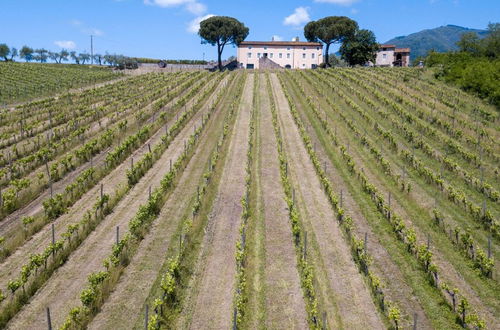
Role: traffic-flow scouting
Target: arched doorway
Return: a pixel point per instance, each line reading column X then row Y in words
column 288, row 66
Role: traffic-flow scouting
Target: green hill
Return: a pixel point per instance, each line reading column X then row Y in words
column 441, row 39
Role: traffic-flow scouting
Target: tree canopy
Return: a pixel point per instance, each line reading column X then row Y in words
column 222, row 31
column 488, row 46
column 475, row 67
column 13, row 53
column 26, row 53
column 360, row 49
column 4, row 52
column 469, row 42
column 329, row 30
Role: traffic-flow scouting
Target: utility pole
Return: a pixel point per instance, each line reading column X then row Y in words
column 91, row 49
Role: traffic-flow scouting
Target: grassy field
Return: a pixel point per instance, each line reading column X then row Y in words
column 325, row 199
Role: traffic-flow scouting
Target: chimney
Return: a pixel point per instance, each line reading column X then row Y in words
column 272, row 38
column 296, row 39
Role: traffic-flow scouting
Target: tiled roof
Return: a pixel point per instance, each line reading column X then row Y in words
column 387, row 46
column 402, row 50
column 280, row 43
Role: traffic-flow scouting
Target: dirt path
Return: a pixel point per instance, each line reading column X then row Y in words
column 212, row 300
column 127, row 299
column 62, row 291
column 285, row 307
column 346, row 290
column 117, row 178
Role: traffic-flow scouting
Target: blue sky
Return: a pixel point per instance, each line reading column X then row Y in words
column 167, row 28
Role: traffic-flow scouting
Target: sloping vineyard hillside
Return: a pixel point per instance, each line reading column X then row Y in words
column 25, row 81
column 361, row 198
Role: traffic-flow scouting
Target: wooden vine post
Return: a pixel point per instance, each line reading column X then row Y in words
column 49, row 321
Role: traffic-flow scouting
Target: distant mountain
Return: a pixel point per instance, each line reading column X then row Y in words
column 441, row 39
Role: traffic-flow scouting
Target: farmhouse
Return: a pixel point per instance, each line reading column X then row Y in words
column 389, row 55
column 279, row 54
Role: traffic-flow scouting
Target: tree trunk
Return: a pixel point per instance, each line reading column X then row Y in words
column 219, row 56
column 327, row 64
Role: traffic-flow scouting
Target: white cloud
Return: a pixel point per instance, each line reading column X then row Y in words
column 193, row 6
column 277, row 38
column 300, row 15
column 67, row 44
column 196, row 8
column 93, row 31
column 194, row 25
column 85, row 29
column 338, row 2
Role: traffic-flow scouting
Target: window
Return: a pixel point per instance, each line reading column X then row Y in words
column 265, row 48
column 288, row 55
column 249, row 55
column 288, row 48
column 303, row 65
column 317, row 48
column 312, row 55
column 258, row 55
column 384, row 56
column 304, row 48
column 281, row 55
column 249, row 47
column 304, row 55
column 271, row 55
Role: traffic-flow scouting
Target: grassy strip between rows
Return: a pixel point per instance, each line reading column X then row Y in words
column 462, row 239
column 178, row 270
column 241, row 298
column 422, row 253
column 58, row 205
column 100, row 284
column 254, row 310
column 60, row 250
column 306, row 271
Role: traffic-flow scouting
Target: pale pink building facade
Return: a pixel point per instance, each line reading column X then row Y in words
column 286, row 54
column 389, row 55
